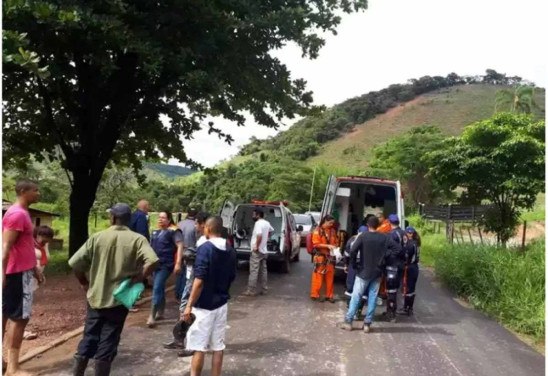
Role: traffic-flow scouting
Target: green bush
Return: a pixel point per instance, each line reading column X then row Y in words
column 505, row 283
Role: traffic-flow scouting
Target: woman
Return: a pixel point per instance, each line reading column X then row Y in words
column 167, row 243
column 324, row 240
column 411, row 271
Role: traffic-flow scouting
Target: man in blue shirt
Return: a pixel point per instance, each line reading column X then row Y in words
column 214, row 272
column 139, row 219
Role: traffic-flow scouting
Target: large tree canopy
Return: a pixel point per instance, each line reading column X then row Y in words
column 87, row 82
column 500, row 160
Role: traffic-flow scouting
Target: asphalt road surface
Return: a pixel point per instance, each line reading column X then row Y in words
column 285, row 333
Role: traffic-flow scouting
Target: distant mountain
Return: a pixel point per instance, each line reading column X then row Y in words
column 169, row 171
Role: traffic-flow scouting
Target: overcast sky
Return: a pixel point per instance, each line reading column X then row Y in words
column 395, row 40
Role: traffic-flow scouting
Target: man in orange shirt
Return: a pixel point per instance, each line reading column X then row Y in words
column 324, row 240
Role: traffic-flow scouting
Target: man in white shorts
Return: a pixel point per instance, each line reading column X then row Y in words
column 214, row 271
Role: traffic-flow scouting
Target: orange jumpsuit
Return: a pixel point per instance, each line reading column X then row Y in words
column 385, row 227
column 324, row 267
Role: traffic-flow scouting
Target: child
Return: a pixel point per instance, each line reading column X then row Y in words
column 42, row 236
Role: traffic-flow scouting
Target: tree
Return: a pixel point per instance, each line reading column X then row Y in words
column 403, row 158
column 519, row 100
column 90, row 82
column 500, row 160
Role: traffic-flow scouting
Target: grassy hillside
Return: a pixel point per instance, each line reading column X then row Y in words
column 451, row 109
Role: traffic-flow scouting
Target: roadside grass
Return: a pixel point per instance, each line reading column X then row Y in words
column 506, row 284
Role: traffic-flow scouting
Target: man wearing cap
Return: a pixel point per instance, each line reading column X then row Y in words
column 394, row 267
column 108, row 257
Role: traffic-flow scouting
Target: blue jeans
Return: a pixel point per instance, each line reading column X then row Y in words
column 187, row 291
column 360, row 287
column 180, row 283
column 159, row 288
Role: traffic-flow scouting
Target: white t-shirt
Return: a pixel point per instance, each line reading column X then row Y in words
column 262, row 227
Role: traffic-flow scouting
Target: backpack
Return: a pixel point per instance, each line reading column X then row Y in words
column 309, row 244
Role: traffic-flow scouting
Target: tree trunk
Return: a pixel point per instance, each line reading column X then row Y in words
column 82, row 197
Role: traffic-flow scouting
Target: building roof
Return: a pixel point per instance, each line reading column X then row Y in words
column 6, row 204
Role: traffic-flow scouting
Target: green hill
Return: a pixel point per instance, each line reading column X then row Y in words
column 450, row 109
column 166, row 170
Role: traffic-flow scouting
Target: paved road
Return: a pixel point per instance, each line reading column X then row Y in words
column 284, row 333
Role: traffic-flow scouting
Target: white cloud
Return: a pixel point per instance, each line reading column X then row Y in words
column 395, row 40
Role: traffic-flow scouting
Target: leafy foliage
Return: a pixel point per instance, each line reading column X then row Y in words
column 404, row 158
column 92, row 82
column 500, row 160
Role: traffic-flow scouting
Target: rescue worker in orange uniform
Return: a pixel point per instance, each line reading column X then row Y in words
column 324, row 240
column 385, row 226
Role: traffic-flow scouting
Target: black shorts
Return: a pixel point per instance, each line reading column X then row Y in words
column 17, row 296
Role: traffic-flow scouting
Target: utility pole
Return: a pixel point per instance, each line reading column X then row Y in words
column 312, row 189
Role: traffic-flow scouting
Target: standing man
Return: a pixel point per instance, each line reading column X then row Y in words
column 18, row 270
column 139, row 219
column 373, row 248
column 394, row 268
column 167, row 242
column 257, row 259
column 188, row 230
column 214, row 271
column 108, row 257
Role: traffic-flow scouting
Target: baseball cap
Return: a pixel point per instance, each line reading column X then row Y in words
column 393, row 218
column 120, row 210
column 410, row 229
column 362, row 229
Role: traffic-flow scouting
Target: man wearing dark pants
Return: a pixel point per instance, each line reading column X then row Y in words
column 109, row 257
column 188, row 231
column 214, row 271
column 373, row 248
column 19, row 269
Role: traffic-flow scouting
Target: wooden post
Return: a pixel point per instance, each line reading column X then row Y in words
column 523, row 237
column 481, row 237
column 470, row 235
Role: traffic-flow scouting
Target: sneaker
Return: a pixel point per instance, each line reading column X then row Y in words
column 331, row 300
column 321, row 300
column 314, row 299
column 264, row 292
column 366, row 328
column 185, row 353
column 249, row 293
column 345, row 326
column 173, row 345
